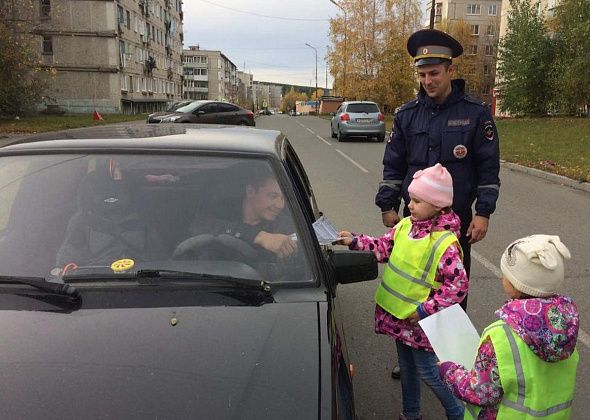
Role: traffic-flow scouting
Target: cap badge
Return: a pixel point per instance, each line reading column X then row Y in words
column 460, row 151
column 425, row 51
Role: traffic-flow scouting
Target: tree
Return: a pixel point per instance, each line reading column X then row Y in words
column 468, row 66
column 290, row 98
column 21, row 72
column 572, row 68
column 368, row 57
column 525, row 62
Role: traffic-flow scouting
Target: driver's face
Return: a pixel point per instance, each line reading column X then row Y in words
column 267, row 201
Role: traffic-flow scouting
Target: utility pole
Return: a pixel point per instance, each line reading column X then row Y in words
column 316, row 76
column 345, row 49
column 432, row 7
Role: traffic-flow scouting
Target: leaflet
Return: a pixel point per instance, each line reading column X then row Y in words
column 452, row 335
column 325, row 231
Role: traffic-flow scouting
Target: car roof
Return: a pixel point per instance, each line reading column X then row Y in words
column 146, row 137
column 359, row 102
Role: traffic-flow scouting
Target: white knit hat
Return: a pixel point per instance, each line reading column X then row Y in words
column 534, row 264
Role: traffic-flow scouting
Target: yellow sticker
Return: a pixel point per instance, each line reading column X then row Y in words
column 122, row 265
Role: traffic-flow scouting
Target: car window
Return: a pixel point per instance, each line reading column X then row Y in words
column 190, row 107
column 227, row 108
column 359, row 108
column 161, row 211
column 208, row 108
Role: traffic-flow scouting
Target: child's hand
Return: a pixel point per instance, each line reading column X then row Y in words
column 414, row 318
column 346, row 238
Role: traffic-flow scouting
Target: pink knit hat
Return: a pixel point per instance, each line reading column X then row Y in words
column 433, row 185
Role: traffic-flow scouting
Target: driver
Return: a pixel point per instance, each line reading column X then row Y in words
column 257, row 220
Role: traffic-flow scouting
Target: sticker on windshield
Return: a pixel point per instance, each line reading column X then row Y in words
column 122, row 265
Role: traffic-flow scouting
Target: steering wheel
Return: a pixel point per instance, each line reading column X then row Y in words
column 201, row 243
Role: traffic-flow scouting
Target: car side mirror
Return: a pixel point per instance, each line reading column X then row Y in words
column 354, row 266
column 200, row 112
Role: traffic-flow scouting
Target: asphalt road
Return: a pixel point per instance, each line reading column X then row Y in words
column 345, row 176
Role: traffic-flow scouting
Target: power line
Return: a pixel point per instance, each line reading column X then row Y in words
column 264, row 16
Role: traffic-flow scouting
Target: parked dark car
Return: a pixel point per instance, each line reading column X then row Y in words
column 113, row 307
column 207, row 112
column 173, row 107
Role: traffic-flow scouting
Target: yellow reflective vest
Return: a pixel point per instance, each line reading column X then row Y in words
column 533, row 388
column 411, row 270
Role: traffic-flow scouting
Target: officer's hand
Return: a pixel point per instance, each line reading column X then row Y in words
column 280, row 244
column 391, row 218
column 477, row 229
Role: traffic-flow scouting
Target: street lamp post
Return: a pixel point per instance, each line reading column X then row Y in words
column 345, row 50
column 316, row 76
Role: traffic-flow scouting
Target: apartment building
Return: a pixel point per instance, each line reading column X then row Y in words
column 245, row 89
column 268, row 95
column 483, row 20
column 209, row 75
column 111, row 55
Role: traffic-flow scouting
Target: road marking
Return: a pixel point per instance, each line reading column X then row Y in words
column 310, row 130
column 324, row 140
column 582, row 335
column 352, row 161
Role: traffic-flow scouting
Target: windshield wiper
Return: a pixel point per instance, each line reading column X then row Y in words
column 41, row 283
column 150, row 277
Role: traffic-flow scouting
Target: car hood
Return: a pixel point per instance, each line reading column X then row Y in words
column 162, row 115
column 215, row 362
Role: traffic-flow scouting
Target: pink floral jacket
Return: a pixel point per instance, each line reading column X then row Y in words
column 450, row 273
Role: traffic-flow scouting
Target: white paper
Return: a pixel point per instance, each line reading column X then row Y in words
column 452, row 335
column 325, row 231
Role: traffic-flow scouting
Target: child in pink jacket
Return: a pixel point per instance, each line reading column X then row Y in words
column 431, row 193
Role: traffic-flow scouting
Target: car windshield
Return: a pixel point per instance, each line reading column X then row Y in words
column 104, row 214
column 190, row 107
column 177, row 105
column 360, row 108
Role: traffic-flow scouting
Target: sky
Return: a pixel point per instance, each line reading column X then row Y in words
column 265, row 38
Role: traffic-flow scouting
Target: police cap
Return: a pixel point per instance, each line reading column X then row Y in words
column 431, row 46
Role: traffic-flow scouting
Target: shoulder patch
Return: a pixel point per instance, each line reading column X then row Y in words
column 408, row 105
column 476, row 101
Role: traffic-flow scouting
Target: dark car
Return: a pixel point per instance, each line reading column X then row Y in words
column 207, row 112
column 171, row 108
column 120, row 300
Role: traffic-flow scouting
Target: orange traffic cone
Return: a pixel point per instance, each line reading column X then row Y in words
column 96, row 116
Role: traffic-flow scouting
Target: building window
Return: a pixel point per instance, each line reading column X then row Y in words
column 472, row 49
column 45, row 8
column 122, row 53
column 491, row 31
column 487, row 90
column 474, row 29
column 492, row 10
column 489, row 50
column 473, row 9
column 486, row 69
column 120, row 15
column 128, row 15
column 47, row 45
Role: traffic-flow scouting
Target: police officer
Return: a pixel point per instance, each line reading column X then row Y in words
column 443, row 125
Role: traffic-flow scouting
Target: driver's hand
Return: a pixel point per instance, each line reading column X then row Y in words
column 280, row 244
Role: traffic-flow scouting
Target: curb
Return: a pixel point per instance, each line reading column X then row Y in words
column 558, row 179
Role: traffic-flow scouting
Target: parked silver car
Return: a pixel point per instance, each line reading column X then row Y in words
column 358, row 118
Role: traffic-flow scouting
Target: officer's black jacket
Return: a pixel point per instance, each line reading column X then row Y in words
column 460, row 134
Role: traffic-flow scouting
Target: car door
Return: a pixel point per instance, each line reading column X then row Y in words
column 329, row 312
column 228, row 114
column 205, row 114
